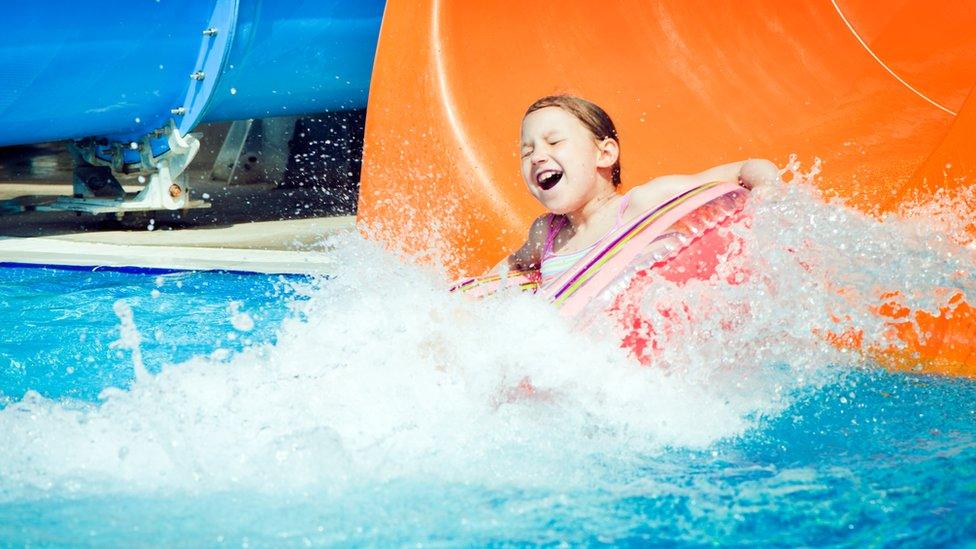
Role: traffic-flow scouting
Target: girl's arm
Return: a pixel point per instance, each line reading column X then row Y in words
column 748, row 173
column 528, row 256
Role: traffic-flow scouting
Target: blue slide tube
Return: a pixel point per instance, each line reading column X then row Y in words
column 121, row 69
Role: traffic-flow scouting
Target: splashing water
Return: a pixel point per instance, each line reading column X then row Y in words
column 386, row 410
column 129, row 338
column 950, row 212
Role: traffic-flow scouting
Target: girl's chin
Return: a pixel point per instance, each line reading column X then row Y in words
column 558, row 207
column 556, row 201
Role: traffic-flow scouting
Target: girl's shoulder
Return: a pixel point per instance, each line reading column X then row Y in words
column 539, row 230
column 529, row 255
column 658, row 190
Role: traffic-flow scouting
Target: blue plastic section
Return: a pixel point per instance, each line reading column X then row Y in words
column 130, row 156
column 298, row 57
column 211, row 61
column 68, row 71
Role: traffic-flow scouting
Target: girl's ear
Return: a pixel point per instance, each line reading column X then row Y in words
column 609, row 152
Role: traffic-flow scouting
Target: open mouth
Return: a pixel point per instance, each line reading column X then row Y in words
column 548, row 179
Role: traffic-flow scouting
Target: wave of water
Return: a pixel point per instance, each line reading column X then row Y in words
column 382, row 375
column 380, row 378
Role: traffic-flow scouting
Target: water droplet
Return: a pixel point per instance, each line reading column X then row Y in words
column 240, row 320
column 233, row 91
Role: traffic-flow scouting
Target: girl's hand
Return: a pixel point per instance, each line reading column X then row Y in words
column 758, row 172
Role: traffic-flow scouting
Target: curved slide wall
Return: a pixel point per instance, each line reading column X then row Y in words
column 883, row 95
column 116, row 69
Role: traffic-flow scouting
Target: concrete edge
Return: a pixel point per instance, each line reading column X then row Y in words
column 57, row 252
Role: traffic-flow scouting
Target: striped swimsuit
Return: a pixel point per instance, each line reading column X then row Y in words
column 551, row 265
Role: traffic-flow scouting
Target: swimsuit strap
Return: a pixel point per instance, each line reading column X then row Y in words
column 623, row 207
column 555, row 224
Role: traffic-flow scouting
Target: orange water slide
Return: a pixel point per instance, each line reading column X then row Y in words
column 881, row 92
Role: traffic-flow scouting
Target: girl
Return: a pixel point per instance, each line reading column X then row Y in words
column 571, row 164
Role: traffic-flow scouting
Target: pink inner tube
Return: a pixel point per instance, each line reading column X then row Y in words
column 684, row 238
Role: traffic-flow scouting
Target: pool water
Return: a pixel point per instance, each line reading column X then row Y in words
column 61, row 329
column 373, row 408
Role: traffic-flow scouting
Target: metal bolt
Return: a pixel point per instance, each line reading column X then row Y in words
column 178, row 111
column 198, row 75
column 211, row 31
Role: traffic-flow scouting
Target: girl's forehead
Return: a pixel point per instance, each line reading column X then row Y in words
column 549, row 119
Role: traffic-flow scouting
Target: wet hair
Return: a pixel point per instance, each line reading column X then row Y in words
column 590, row 115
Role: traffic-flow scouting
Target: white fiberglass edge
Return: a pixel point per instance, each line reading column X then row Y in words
column 52, row 251
column 868, row 49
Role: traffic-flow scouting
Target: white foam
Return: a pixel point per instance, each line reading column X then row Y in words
column 380, row 374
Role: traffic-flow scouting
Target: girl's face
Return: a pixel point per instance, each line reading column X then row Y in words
column 561, row 160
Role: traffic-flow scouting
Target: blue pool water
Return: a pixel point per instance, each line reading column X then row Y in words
column 373, row 408
column 60, row 323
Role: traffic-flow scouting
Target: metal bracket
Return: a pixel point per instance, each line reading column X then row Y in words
column 96, row 182
column 166, row 189
column 255, row 151
column 229, row 156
